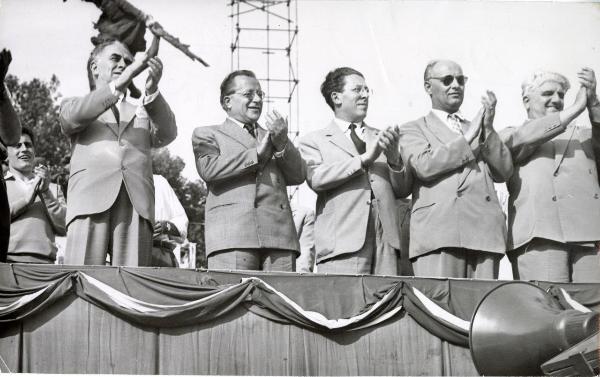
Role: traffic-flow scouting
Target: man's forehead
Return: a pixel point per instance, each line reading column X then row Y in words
column 117, row 48
column 443, row 68
column 25, row 138
column 551, row 85
column 353, row 79
column 246, row 82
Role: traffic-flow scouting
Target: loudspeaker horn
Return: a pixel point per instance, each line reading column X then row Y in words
column 517, row 327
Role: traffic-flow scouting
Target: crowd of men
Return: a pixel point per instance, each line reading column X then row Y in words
column 445, row 163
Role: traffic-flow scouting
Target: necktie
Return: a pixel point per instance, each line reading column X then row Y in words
column 250, row 129
column 454, row 123
column 360, row 145
column 115, row 112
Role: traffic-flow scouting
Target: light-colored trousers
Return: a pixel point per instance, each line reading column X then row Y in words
column 375, row 257
column 546, row 260
column 458, row 263
column 119, row 231
column 253, row 259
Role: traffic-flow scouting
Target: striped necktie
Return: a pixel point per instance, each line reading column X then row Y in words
column 454, row 123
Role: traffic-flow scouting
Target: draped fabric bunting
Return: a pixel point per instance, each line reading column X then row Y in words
column 166, row 298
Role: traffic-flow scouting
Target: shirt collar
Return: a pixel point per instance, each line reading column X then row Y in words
column 344, row 124
column 443, row 115
column 9, row 175
column 238, row 122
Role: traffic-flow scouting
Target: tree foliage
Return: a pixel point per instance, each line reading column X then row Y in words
column 191, row 194
column 36, row 103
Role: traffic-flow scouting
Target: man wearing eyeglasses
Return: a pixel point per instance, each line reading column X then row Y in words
column 554, row 202
column 357, row 173
column 457, row 227
column 248, row 220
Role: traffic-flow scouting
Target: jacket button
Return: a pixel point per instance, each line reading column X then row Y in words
column 368, row 202
column 487, row 198
column 596, row 196
column 459, row 194
column 554, row 198
column 123, row 168
column 556, row 174
column 282, row 206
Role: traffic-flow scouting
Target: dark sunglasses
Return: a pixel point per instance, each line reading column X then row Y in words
column 449, row 79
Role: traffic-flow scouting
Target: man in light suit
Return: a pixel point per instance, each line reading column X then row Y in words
column 304, row 221
column 111, row 195
column 247, row 168
column 357, row 174
column 457, row 227
column 554, row 203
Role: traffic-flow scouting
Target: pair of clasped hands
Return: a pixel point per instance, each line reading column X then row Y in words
column 40, row 184
column 276, row 139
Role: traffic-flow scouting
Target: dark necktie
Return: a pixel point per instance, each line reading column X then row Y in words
column 360, row 145
column 115, row 112
column 250, row 129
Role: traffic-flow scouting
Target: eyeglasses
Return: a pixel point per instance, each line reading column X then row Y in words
column 361, row 89
column 251, row 93
column 449, row 79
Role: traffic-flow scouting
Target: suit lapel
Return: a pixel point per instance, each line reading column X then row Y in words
column 337, row 138
column 560, row 149
column 127, row 115
column 238, row 134
column 445, row 135
column 438, row 128
column 109, row 121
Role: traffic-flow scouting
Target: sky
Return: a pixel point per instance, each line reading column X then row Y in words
column 497, row 43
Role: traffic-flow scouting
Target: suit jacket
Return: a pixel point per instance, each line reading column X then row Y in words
column 454, row 201
column 343, row 188
column 105, row 154
column 304, row 221
column 247, row 205
column 554, row 191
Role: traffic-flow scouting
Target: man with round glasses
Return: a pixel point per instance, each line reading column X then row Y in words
column 248, row 220
column 457, row 227
column 357, row 174
column 554, row 202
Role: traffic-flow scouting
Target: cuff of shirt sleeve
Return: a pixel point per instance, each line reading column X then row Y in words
column 150, row 97
column 280, row 153
column 114, row 90
column 396, row 168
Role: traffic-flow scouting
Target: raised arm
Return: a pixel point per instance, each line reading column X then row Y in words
column 10, row 127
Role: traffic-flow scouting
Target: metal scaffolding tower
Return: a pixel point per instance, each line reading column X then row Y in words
column 264, row 39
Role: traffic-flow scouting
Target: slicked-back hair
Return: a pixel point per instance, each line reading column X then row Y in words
column 29, row 132
column 95, row 52
column 227, row 84
column 335, row 81
column 429, row 68
column 537, row 78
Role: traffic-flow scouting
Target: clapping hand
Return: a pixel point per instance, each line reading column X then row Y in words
column 278, row 130
column 489, row 107
column 43, row 174
column 388, row 141
column 139, row 65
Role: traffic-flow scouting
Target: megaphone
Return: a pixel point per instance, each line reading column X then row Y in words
column 517, row 327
